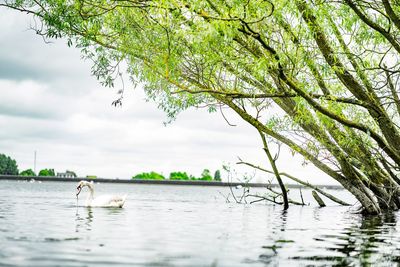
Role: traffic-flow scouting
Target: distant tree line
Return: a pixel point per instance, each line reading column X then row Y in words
column 205, row 176
column 8, row 166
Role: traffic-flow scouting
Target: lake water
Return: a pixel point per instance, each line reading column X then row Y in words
column 161, row 225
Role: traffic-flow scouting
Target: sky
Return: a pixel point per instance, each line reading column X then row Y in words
column 50, row 103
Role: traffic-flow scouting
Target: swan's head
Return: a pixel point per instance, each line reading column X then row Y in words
column 81, row 185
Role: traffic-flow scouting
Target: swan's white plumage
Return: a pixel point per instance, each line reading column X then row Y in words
column 105, row 201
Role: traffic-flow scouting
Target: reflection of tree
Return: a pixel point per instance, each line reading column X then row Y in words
column 365, row 244
column 272, row 251
column 369, row 241
column 84, row 222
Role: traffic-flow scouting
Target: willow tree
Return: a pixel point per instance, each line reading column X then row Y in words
column 321, row 77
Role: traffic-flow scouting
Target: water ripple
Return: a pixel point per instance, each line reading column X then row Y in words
column 184, row 226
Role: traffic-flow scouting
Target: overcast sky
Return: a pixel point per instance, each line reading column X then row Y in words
column 50, row 103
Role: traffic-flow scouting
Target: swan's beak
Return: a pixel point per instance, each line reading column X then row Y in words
column 79, row 188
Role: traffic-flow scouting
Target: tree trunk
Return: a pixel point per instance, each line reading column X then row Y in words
column 276, row 172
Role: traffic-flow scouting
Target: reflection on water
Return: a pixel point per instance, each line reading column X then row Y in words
column 40, row 225
column 367, row 241
column 371, row 242
column 84, row 220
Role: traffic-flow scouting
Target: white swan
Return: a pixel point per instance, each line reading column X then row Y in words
column 105, row 201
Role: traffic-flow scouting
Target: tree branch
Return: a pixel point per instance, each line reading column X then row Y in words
column 238, row 95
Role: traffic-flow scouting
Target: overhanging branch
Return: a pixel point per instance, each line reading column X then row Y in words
column 238, row 95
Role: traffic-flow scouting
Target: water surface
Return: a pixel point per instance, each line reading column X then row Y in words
column 163, row 225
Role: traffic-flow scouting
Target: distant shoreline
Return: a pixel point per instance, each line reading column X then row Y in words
column 153, row 182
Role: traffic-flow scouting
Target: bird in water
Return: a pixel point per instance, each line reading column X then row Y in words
column 105, row 201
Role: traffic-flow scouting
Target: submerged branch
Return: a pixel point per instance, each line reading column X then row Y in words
column 317, row 198
column 273, row 200
column 331, row 197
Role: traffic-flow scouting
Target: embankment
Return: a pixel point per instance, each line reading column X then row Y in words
column 154, row 182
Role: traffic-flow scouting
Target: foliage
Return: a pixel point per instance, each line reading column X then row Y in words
column 28, row 172
column 321, row 77
column 47, row 172
column 91, row 176
column 149, row 176
column 206, row 175
column 217, row 175
column 179, row 176
column 8, row 166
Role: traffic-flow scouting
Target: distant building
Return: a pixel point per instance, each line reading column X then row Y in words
column 66, row 174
